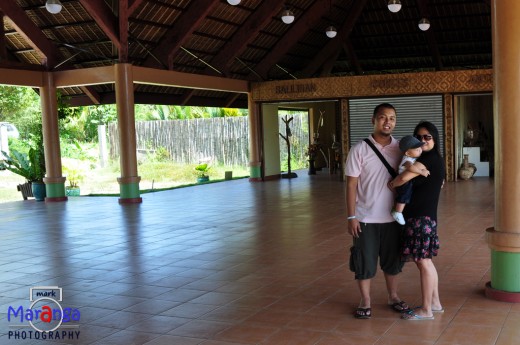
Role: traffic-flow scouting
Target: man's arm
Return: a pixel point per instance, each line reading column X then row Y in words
column 353, row 224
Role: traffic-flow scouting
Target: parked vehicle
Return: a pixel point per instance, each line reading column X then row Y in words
column 9, row 131
column 12, row 131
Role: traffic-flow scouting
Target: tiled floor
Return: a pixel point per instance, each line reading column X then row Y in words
column 241, row 263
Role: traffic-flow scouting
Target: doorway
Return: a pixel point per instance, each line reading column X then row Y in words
column 475, row 132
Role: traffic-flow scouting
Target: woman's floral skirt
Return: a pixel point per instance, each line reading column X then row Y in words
column 420, row 240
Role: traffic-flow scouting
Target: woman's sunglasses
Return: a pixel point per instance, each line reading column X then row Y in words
column 426, row 137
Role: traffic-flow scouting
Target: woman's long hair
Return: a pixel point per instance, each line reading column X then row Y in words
column 430, row 127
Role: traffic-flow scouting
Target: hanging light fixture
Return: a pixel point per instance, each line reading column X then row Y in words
column 233, row 2
column 424, row 24
column 331, row 32
column 53, row 6
column 394, row 5
column 287, row 16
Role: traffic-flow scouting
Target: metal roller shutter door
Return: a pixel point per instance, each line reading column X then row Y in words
column 410, row 111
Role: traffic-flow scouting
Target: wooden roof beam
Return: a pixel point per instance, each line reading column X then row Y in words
column 180, row 32
column 230, row 100
column 297, row 30
column 335, row 43
column 30, row 32
column 133, row 5
column 245, row 34
column 107, row 21
column 186, row 96
column 348, row 48
column 92, row 94
column 3, row 49
column 329, row 65
column 123, row 31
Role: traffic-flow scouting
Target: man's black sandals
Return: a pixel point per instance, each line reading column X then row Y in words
column 363, row 313
column 400, row 307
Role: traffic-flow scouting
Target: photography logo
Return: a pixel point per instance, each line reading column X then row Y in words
column 45, row 318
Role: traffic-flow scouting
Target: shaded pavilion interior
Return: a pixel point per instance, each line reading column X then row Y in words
column 209, row 277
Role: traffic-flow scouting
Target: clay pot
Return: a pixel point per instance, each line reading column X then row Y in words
column 467, row 169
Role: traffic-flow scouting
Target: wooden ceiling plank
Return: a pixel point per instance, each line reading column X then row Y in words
column 245, row 34
column 430, row 35
column 333, row 44
column 297, row 30
column 180, row 32
column 102, row 14
column 30, row 32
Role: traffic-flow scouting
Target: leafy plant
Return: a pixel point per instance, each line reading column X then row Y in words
column 201, row 170
column 74, row 176
column 31, row 165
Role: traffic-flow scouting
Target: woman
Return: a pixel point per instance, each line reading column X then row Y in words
column 420, row 242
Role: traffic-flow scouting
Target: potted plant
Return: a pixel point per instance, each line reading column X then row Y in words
column 31, row 166
column 74, row 176
column 201, row 171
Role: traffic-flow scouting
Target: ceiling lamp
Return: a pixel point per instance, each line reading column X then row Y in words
column 287, row 16
column 394, row 5
column 331, row 32
column 53, row 6
column 233, row 2
column 424, row 24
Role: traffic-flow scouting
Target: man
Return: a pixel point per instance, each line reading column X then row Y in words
column 376, row 234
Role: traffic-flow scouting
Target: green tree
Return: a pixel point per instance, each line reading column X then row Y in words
column 21, row 106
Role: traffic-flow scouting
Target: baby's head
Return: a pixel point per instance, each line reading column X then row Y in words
column 411, row 146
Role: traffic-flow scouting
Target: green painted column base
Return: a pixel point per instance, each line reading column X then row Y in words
column 505, row 277
column 255, row 173
column 55, row 192
column 129, row 193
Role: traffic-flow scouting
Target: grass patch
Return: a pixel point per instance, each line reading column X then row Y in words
column 155, row 176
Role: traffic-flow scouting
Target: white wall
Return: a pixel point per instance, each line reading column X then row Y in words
column 271, row 143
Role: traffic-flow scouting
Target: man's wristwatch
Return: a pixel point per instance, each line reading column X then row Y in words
column 351, row 217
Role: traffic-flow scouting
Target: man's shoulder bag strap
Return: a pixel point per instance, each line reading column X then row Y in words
column 388, row 167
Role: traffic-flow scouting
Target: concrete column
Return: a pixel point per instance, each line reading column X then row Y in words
column 54, row 181
column 129, row 181
column 504, row 238
column 255, row 137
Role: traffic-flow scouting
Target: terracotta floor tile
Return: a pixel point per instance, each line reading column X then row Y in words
column 202, row 328
column 375, row 326
column 267, row 266
column 189, row 310
column 294, row 337
column 272, row 317
column 126, row 337
column 247, row 333
column 346, row 339
column 310, row 322
column 481, row 335
column 509, row 335
column 469, row 316
column 170, row 340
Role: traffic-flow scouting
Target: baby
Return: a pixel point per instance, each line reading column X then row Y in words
column 411, row 149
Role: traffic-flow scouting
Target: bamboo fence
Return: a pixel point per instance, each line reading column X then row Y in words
column 223, row 140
